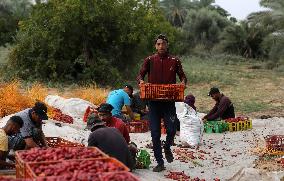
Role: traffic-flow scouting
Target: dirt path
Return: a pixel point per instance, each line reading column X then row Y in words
column 228, row 152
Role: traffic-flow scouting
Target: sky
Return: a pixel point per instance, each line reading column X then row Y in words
column 240, row 9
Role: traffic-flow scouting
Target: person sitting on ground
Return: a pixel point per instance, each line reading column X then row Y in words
column 104, row 113
column 223, row 108
column 189, row 100
column 191, row 124
column 12, row 127
column 118, row 99
column 139, row 106
column 111, row 142
column 31, row 134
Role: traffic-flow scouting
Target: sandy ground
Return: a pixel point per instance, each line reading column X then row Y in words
column 229, row 152
column 226, row 153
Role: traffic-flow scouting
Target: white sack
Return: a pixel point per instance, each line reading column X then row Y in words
column 191, row 126
column 73, row 107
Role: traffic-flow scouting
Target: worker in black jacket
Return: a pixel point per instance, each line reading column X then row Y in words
column 111, row 142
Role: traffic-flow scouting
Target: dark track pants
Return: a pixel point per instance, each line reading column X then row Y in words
column 167, row 111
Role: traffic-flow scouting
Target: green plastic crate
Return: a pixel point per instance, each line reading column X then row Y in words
column 215, row 127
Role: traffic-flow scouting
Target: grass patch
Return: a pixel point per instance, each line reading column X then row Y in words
column 4, row 51
column 250, row 106
column 251, row 90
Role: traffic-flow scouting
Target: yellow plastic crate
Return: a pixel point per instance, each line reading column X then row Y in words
column 249, row 124
column 235, row 126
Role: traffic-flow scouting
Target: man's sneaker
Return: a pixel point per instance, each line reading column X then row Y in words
column 169, row 155
column 159, row 168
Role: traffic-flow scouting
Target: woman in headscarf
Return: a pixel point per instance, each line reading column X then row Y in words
column 190, row 100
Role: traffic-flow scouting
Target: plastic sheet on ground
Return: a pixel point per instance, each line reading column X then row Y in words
column 246, row 174
column 73, row 107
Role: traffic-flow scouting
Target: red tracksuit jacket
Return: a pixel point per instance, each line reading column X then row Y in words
column 162, row 69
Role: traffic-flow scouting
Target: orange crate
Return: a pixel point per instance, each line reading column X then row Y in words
column 55, row 142
column 52, row 166
column 173, row 92
column 21, row 164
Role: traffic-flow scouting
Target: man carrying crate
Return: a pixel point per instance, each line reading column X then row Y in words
column 162, row 68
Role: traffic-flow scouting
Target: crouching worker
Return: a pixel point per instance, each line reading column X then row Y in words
column 104, row 113
column 111, row 142
column 223, row 108
column 31, row 134
column 12, row 127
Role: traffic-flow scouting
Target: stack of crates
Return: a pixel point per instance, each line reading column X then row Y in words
column 239, row 123
column 215, row 127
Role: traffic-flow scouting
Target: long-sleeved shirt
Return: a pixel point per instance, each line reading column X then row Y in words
column 162, row 69
column 120, row 125
column 223, row 109
column 110, row 141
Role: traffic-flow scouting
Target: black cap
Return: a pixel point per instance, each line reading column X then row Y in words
column 162, row 37
column 105, row 107
column 213, row 90
column 41, row 110
column 129, row 87
column 17, row 120
column 93, row 121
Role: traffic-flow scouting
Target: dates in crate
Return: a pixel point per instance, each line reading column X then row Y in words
column 55, row 154
column 65, row 168
column 76, row 176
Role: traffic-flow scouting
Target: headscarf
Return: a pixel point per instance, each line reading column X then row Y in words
column 190, row 100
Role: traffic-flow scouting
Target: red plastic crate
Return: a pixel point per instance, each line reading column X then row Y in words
column 145, row 125
column 170, row 92
column 135, row 127
column 140, row 126
column 275, row 142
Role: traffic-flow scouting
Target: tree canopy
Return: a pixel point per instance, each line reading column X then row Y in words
column 86, row 40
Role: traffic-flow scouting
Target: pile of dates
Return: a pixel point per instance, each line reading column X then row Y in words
column 67, row 168
column 59, row 116
column 56, row 154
